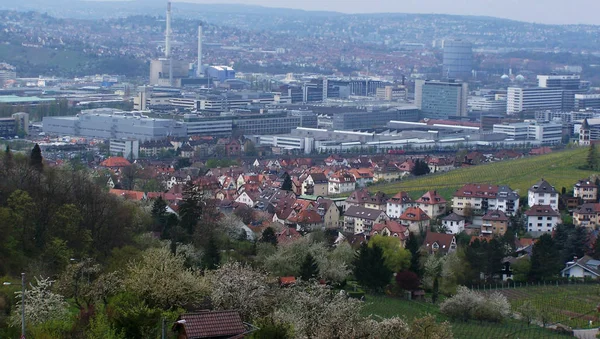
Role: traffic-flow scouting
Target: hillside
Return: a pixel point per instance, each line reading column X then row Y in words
column 558, row 168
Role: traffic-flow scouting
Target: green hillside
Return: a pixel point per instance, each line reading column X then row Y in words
column 559, row 168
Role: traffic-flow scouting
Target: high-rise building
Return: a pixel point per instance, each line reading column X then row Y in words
column 458, row 59
column 570, row 84
column 533, row 99
column 585, row 101
column 440, row 100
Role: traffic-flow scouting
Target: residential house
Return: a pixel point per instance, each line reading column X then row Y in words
column 387, row 173
column 155, row 148
column 586, row 267
column 211, row 324
column 288, row 235
column 363, row 176
column 390, row 228
column 454, row 223
column 306, row 220
column 415, row 219
column 358, row 198
column 115, row 163
column 341, row 183
column 186, row 151
column 315, row 184
column 542, row 193
column 407, row 167
column 432, row 203
column 439, row 243
column 479, row 198
column 233, row 148
column 587, row 215
column 397, row 204
column 249, row 198
column 494, row 223
column 542, row 219
column 586, row 190
column 329, row 211
column 377, row 201
column 361, row 220
column 440, row 164
column 335, row 160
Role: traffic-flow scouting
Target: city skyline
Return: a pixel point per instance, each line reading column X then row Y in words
column 550, row 12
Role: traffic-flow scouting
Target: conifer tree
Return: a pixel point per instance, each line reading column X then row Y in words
column 592, row 157
column 36, row 159
column 369, row 268
column 309, row 269
column 212, row 254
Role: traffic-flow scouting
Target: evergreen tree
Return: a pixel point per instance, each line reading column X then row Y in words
column 269, row 236
column 190, row 209
column 369, row 268
column 545, row 259
column 592, row 157
column 309, row 268
column 596, row 251
column 421, row 168
column 435, row 290
column 212, row 254
column 8, row 158
column 159, row 209
column 494, row 254
column 576, row 244
column 287, row 184
column 412, row 244
column 36, row 159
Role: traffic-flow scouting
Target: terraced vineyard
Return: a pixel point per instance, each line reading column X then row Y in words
column 386, row 307
column 571, row 305
column 559, row 168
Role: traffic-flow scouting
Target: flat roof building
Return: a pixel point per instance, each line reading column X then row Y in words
column 440, row 100
column 533, row 99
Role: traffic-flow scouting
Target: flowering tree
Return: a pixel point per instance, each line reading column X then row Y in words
column 162, row 279
column 234, row 286
column 41, row 304
column 468, row 304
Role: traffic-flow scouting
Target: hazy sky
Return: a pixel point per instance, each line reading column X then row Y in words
column 541, row 11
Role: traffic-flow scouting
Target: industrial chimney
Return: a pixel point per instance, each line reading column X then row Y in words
column 199, row 68
column 168, row 32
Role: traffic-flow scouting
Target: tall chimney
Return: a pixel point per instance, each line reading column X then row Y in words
column 168, row 32
column 199, row 68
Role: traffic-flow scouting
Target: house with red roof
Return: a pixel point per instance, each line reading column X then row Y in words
column 306, row 220
column 397, row 204
column 129, row 195
column 341, row 183
column 479, row 198
column 288, row 235
column 542, row 219
column 439, row 243
column 391, row 228
column 587, row 215
column 115, row 162
column 495, row 223
column 432, row 203
column 415, row 219
column 211, row 324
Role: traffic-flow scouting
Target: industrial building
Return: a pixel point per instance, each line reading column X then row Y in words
column 587, row 101
column 440, row 100
column 570, row 84
column 533, row 99
column 458, row 59
column 545, row 133
column 107, row 123
column 128, row 148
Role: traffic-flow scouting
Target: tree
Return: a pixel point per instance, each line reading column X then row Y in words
column 370, row 269
column 287, row 184
column 309, row 269
column 237, row 287
column 429, row 328
column 100, row 326
column 596, row 251
column 408, row 280
column 545, row 259
column 592, row 157
column 41, row 304
column 467, row 304
column 521, row 268
column 576, row 244
column 269, row 236
column 420, row 168
column 36, row 160
column 395, row 257
column 528, row 312
column 212, row 254
column 412, row 244
column 191, row 208
column 249, row 148
column 161, row 279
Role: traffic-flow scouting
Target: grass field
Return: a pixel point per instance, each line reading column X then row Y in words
column 386, row 307
column 571, row 305
column 559, row 168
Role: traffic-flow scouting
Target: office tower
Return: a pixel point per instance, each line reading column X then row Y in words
column 586, row 101
column 458, row 59
column 570, row 84
column 440, row 100
column 533, row 99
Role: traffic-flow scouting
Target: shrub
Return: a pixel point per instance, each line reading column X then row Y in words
column 408, row 280
column 467, row 304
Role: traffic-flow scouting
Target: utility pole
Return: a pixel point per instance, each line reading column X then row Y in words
column 22, row 305
column 164, row 333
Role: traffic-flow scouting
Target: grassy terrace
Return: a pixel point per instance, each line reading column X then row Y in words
column 559, row 168
column 386, row 307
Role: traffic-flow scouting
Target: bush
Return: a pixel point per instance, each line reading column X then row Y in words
column 408, row 280
column 467, row 304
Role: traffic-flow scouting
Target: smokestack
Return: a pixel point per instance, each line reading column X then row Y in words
column 199, row 69
column 168, row 32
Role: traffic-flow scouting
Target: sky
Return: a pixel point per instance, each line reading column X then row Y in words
column 539, row 11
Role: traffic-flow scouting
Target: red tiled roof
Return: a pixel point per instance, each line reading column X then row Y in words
column 131, row 195
column 477, row 191
column 211, row 324
column 115, row 162
column 414, row 214
column 541, row 210
column 288, row 235
column 431, row 198
column 392, row 226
